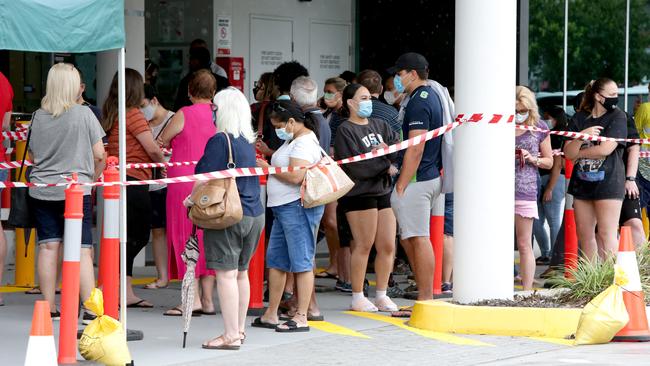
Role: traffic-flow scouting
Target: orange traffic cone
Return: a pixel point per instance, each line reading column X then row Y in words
column 40, row 349
column 636, row 329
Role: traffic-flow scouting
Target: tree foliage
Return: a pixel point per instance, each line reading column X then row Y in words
column 596, row 42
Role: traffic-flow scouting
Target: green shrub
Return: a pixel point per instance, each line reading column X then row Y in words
column 589, row 279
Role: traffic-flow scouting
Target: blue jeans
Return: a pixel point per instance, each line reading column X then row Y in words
column 292, row 244
column 551, row 211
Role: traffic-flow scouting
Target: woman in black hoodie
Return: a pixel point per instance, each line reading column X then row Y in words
column 367, row 205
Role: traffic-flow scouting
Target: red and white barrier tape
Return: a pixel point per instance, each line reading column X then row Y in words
column 16, row 164
column 582, row 136
column 642, row 154
column 249, row 172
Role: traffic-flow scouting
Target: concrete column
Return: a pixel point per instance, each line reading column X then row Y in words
column 484, row 153
column 107, row 60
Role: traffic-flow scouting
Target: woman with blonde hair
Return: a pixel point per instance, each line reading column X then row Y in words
column 65, row 138
column 229, row 251
column 533, row 151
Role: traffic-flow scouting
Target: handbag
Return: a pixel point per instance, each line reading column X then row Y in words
column 216, row 203
column 21, row 215
column 324, row 182
column 157, row 173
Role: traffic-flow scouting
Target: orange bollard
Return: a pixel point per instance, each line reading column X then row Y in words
column 70, row 289
column 256, row 268
column 436, row 235
column 109, row 265
column 570, row 234
column 636, row 329
column 41, row 350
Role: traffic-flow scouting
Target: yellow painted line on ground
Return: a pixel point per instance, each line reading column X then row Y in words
column 564, row 342
column 337, row 329
column 136, row 281
column 400, row 322
column 13, row 289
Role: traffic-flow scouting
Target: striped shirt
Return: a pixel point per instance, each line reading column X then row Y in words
column 381, row 110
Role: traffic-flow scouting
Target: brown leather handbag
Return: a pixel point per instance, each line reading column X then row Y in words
column 216, row 203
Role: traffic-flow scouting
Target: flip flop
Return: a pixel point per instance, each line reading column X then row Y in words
column 154, row 286
column 258, row 323
column 37, row 291
column 206, row 312
column 401, row 314
column 311, row 318
column 292, row 327
column 223, row 346
column 140, row 305
column 326, row 274
column 179, row 311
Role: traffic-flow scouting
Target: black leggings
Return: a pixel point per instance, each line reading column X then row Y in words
column 138, row 222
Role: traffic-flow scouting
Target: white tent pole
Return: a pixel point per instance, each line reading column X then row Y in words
column 566, row 52
column 627, row 51
column 122, row 151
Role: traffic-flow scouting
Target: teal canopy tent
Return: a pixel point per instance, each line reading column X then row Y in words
column 61, row 25
column 74, row 26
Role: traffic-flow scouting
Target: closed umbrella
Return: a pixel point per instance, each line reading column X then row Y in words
column 190, row 256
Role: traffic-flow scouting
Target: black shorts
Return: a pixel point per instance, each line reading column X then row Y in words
column 360, row 203
column 158, row 208
column 631, row 209
column 345, row 234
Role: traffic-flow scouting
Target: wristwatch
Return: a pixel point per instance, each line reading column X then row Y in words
column 631, row 178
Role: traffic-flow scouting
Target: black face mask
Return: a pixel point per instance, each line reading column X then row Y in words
column 610, row 103
column 255, row 90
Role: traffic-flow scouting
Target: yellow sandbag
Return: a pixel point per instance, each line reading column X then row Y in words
column 605, row 315
column 103, row 340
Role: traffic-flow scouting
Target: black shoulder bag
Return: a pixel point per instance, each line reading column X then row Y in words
column 21, row 215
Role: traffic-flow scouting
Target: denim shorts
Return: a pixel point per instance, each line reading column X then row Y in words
column 449, row 214
column 50, row 221
column 292, row 244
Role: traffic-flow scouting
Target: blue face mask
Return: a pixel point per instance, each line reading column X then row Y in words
column 365, row 109
column 283, row 134
column 397, row 81
column 283, row 97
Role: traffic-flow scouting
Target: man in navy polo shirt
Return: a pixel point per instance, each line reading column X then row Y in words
column 418, row 184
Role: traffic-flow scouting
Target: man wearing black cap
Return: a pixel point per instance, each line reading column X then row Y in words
column 418, row 184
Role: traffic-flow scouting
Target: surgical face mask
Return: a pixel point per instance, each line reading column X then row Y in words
column 397, row 81
column 365, row 108
column 550, row 123
column 283, row 134
column 610, row 103
column 521, row 117
column 329, row 96
column 283, row 97
column 390, row 97
column 149, row 111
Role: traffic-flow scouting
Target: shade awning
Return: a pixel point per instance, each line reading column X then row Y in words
column 61, row 25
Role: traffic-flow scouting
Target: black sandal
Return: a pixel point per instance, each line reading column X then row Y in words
column 292, row 327
column 259, row 323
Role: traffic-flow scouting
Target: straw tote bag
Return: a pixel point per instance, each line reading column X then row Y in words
column 324, row 182
column 216, row 203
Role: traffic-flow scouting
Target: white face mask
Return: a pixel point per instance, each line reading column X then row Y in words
column 521, row 117
column 149, row 111
column 390, row 97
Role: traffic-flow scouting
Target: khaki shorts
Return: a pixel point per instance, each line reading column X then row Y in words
column 232, row 248
column 413, row 209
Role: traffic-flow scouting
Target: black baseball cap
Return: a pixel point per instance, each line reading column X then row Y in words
column 409, row 61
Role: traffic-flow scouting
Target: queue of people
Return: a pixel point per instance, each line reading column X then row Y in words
column 384, row 217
